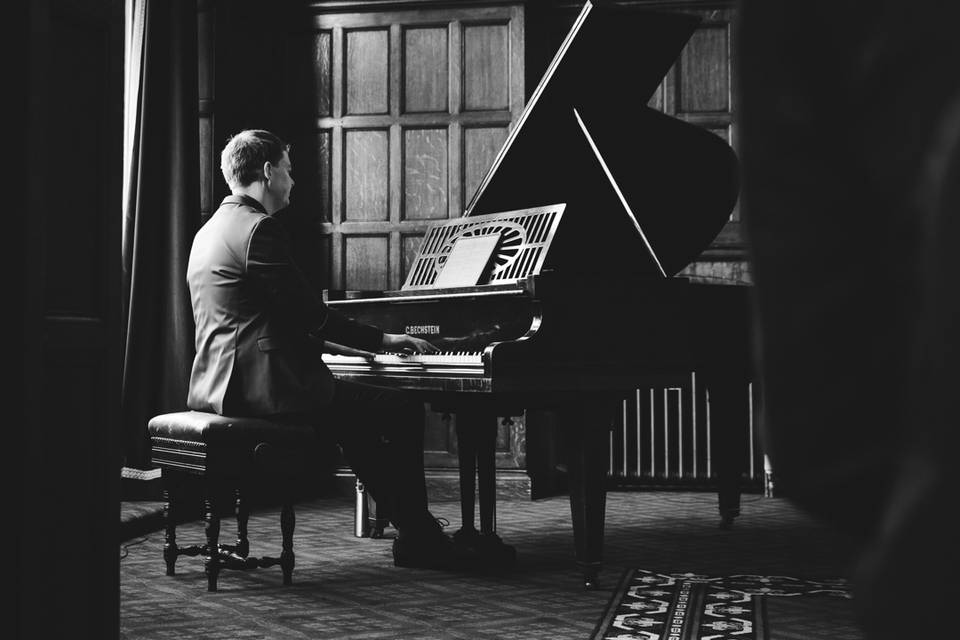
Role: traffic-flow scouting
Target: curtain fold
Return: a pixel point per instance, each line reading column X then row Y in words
column 161, row 214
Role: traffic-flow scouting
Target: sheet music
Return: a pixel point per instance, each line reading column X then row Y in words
column 467, row 261
column 616, row 188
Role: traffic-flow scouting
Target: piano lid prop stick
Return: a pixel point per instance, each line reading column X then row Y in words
column 616, row 188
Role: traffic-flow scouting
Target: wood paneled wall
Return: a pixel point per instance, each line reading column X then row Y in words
column 413, row 106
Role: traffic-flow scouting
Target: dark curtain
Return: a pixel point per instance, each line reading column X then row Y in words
column 851, row 165
column 161, row 214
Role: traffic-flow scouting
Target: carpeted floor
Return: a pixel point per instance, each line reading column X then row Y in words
column 346, row 587
column 140, row 518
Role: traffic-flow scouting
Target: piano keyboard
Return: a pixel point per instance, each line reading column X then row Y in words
column 444, row 362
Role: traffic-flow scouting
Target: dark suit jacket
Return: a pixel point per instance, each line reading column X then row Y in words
column 259, row 324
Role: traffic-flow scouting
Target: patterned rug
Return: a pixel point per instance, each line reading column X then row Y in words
column 688, row 606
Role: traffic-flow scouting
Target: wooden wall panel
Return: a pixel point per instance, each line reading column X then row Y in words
column 425, row 184
column 486, row 67
column 366, row 262
column 325, row 174
column 398, row 81
column 719, row 270
column 425, row 69
column 367, row 175
column 480, row 147
column 366, row 72
column 323, row 71
column 704, row 72
column 723, row 132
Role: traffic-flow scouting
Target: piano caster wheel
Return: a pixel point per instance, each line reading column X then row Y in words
column 591, row 575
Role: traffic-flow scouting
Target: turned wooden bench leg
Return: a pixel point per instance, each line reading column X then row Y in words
column 243, row 518
column 170, row 499
column 288, row 520
column 212, row 564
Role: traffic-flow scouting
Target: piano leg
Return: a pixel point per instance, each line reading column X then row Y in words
column 467, row 458
column 477, row 440
column 729, row 416
column 486, row 437
column 587, row 427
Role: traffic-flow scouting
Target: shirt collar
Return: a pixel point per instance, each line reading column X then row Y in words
column 241, row 199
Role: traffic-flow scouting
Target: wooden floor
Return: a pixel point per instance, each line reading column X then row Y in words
column 347, row 587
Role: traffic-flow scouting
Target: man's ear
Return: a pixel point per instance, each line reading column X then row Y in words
column 267, row 170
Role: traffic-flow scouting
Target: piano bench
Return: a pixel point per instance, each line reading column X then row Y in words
column 228, row 458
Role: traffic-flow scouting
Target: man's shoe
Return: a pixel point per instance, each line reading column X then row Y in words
column 432, row 551
column 488, row 546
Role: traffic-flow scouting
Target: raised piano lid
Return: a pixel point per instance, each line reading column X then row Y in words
column 678, row 181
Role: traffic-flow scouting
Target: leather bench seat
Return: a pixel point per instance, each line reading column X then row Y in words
column 199, row 442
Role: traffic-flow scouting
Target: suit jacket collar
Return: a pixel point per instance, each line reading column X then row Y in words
column 253, row 203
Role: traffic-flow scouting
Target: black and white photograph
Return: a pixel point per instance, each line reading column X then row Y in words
column 485, row 319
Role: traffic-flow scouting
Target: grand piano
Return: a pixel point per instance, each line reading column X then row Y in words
column 557, row 288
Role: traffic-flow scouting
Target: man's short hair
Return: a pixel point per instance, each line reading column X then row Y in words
column 245, row 153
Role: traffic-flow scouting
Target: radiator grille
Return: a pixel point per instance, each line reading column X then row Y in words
column 662, row 435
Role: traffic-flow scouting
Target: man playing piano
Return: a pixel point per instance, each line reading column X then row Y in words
column 260, row 331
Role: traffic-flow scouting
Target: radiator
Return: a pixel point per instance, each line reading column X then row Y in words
column 662, row 436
